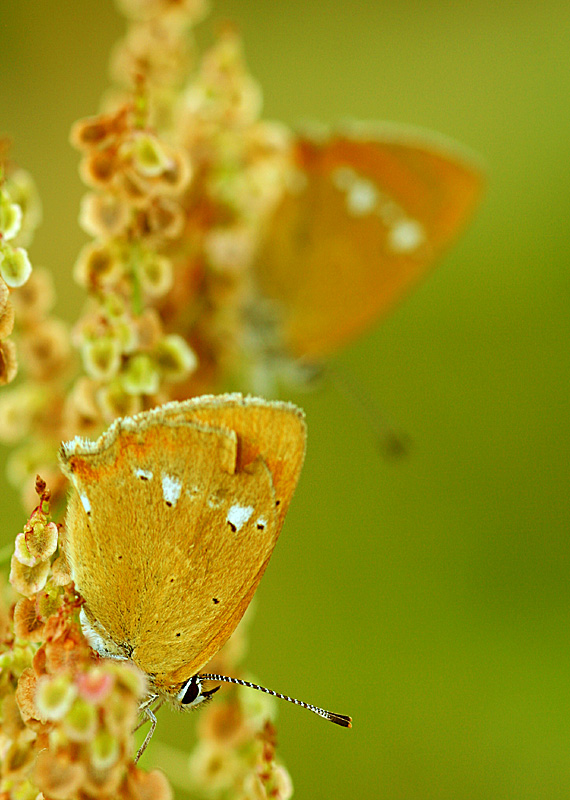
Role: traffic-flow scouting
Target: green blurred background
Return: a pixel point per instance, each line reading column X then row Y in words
column 429, row 598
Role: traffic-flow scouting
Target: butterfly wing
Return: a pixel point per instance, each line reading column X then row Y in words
column 172, row 520
column 369, row 213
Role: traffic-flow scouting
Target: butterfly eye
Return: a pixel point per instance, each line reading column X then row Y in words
column 192, row 693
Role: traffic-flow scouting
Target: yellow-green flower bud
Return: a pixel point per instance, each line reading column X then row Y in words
column 101, row 357
column 54, row 696
column 149, row 157
column 15, row 266
column 22, row 190
column 80, row 723
column 141, row 375
column 175, row 358
column 10, row 218
column 130, row 678
column 156, row 274
column 104, row 750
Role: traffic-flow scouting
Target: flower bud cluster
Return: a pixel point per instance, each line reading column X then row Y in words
column 20, row 213
column 30, row 412
column 135, row 213
column 66, row 716
column 243, row 165
column 235, row 754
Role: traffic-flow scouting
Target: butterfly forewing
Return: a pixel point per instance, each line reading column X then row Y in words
column 367, row 217
column 173, row 518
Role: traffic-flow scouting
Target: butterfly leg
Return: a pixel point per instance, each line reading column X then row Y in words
column 149, row 714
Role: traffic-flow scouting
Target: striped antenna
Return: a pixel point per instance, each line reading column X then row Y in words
column 338, row 719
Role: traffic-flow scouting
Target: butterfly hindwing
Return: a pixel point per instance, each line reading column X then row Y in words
column 172, row 521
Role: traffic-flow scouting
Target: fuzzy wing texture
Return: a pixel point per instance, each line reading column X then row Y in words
column 172, row 520
column 371, row 212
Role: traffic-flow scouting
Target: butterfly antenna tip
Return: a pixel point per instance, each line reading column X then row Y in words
column 338, row 719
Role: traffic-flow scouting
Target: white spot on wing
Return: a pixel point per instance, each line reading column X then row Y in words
column 143, row 474
column 85, row 502
column 361, row 197
column 261, row 523
column 171, row 488
column 239, row 515
column 405, row 236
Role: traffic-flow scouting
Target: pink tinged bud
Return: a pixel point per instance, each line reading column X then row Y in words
column 95, row 685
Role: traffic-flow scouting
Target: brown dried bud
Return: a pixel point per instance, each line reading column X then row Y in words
column 57, row 775
column 94, row 131
column 45, row 349
column 7, row 315
column 8, row 362
column 27, row 624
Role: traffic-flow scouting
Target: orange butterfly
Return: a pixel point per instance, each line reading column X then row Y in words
column 371, row 210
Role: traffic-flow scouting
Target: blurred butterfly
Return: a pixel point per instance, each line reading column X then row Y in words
column 369, row 212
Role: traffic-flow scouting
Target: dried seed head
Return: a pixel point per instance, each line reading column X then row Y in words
column 28, row 580
column 94, row 132
column 99, row 264
column 27, row 624
column 104, row 215
column 164, row 218
column 41, row 539
column 45, row 349
column 99, row 167
column 33, row 300
column 58, row 775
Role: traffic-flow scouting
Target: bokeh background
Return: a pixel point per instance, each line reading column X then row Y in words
column 429, row 597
